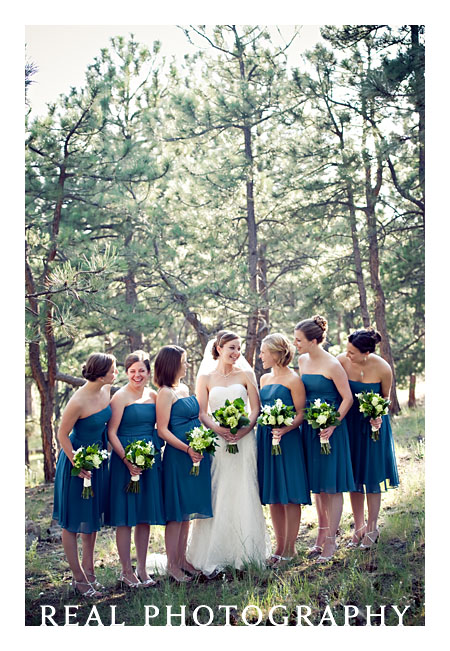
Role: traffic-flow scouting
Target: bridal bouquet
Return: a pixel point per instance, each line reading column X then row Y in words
column 201, row 440
column 141, row 454
column 87, row 459
column 278, row 414
column 372, row 405
column 321, row 415
column 234, row 416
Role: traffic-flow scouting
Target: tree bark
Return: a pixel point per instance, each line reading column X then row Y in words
column 412, row 390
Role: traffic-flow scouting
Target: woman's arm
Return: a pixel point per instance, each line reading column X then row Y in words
column 118, row 404
column 70, row 416
column 298, row 393
column 202, row 395
column 164, row 403
column 255, row 405
column 339, row 377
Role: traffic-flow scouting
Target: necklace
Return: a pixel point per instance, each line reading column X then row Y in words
column 223, row 374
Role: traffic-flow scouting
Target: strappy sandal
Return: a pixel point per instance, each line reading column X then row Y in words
column 354, row 545
column 284, row 560
column 325, row 559
column 146, row 583
column 87, row 594
column 316, row 549
column 274, row 558
column 372, row 540
column 127, row 583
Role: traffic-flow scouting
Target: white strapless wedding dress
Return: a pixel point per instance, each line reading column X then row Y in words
column 237, row 533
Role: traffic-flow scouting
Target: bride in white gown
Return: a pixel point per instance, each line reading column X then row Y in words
column 237, row 533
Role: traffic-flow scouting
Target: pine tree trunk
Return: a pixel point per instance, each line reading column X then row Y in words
column 357, row 259
column 131, row 299
column 412, row 390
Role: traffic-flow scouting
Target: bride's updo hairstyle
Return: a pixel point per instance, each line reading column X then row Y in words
column 97, row 365
column 222, row 338
column 137, row 356
column 167, row 365
column 314, row 328
column 280, row 347
column 365, row 339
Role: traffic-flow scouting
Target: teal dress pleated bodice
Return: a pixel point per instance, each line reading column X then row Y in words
column 373, row 461
column 145, row 507
column 282, row 478
column 186, row 496
column 330, row 473
column 72, row 511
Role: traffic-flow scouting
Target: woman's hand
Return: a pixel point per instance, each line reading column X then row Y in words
column 133, row 470
column 327, row 432
column 224, row 432
column 376, row 422
column 84, row 474
column 278, row 432
column 195, row 456
column 243, row 431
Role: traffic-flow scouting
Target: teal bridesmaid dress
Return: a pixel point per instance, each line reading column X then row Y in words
column 146, row 507
column 373, row 461
column 72, row 511
column 186, row 496
column 330, row 473
column 282, row 478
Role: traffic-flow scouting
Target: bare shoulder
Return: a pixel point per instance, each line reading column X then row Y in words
column 335, row 367
column 343, row 360
column 119, row 397
column 382, row 364
column 264, row 379
column 293, row 380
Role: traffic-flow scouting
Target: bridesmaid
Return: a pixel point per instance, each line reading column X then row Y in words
column 373, row 461
column 133, row 418
column 283, row 482
column 84, row 422
column 186, row 496
column 329, row 475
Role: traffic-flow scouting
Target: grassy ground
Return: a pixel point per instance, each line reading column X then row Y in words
column 391, row 574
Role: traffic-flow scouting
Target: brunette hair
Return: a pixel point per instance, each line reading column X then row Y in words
column 97, row 365
column 167, row 364
column 137, row 356
column 313, row 328
column 365, row 339
column 280, row 346
column 222, row 338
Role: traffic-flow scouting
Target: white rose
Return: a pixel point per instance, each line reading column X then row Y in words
column 288, row 421
column 322, row 419
column 280, row 420
column 96, row 460
column 272, row 420
column 379, row 408
column 374, row 401
column 140, row 460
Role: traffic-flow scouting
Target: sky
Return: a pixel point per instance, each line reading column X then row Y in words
column 63, row 52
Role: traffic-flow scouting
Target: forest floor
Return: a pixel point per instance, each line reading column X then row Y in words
column 391, row 574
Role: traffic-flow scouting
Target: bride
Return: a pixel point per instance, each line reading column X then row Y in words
column 237, row 533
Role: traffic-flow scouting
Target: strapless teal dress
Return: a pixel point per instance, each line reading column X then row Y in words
column 282, row 478
column 373, row 461
column 145, row 507
column 330, row 473
column 72, row 511
column 186, row 496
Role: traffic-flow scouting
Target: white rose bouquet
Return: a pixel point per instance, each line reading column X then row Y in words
column 233, row 416
column 141, row 454
column 87, row 459
column 372, row 405
column 321, row 415
column 276, row 415
column 201, row 440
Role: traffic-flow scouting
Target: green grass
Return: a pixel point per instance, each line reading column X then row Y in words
column 390, row 574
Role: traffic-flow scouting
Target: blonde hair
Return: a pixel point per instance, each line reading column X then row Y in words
column 280, row 346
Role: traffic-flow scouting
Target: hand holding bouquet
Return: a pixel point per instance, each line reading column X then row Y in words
column 201, row 440
column 233, row 416
column 141, row 454
column 372, row 405
column 87, row 459
column 278, row 415
column 321, row 415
